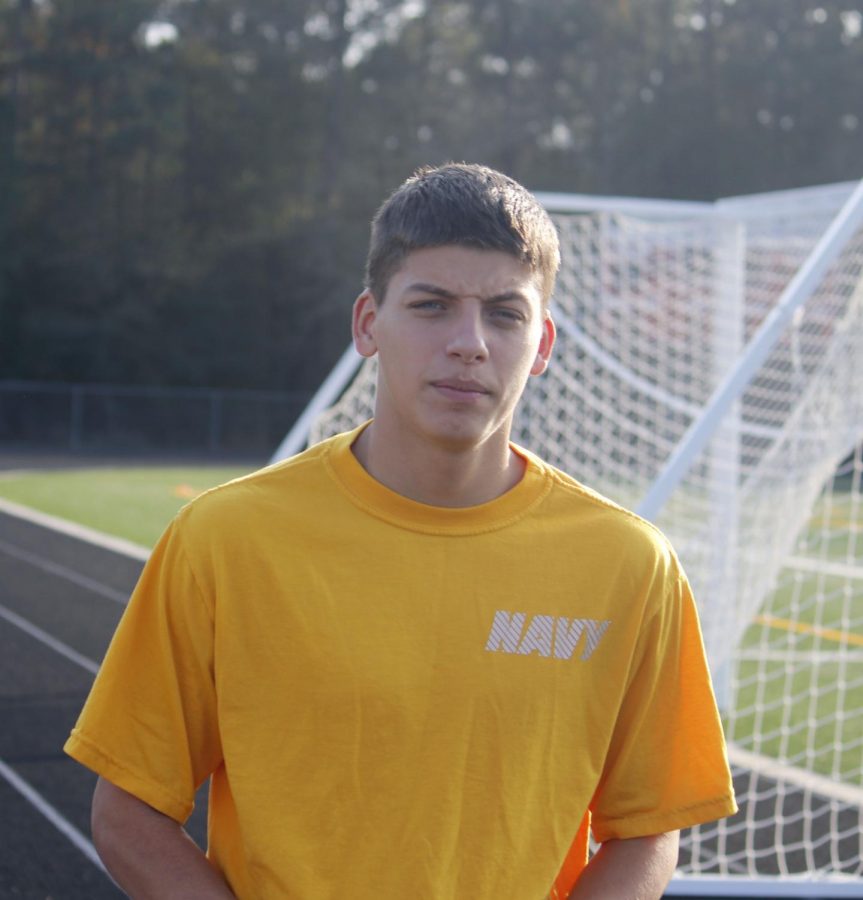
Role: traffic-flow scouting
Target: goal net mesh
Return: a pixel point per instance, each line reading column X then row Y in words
column 653, row 310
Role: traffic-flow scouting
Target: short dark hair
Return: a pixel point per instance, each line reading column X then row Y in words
column 467, row 205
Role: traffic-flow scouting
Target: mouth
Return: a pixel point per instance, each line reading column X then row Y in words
column 458, row 389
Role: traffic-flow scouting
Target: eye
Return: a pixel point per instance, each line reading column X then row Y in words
column 507, row 315
column 428, row 305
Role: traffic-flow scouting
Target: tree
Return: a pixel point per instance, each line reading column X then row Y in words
column 185, row 188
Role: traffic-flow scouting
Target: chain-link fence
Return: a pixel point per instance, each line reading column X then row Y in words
column 89, row 418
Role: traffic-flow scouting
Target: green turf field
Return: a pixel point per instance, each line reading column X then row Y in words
column 800, row 675
column 132, row 503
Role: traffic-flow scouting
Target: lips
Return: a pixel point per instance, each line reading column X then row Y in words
column 460, row 393
column 468, row 387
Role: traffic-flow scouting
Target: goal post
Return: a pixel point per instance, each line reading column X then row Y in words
column 709, row 373
column 800, row 289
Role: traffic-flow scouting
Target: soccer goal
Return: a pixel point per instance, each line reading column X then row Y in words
column 709, row 373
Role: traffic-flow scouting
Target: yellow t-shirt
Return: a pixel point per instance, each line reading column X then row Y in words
column 396, row 700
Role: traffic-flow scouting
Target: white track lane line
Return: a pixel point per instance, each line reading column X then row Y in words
column 53, row 568
column 48, row 640
column 33, row 797
column 73, row 529
column 64, row 826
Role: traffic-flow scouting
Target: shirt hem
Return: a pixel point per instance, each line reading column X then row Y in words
column 659, row 823
column 82, row 750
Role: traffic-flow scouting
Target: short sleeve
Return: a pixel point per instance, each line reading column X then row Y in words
column 149, row 724
column 667, row 765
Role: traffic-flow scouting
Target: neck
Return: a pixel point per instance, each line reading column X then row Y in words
column 439, row 476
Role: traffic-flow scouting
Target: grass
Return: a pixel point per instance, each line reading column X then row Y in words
column 806, row 712
column 132, row 503
column 800, row 680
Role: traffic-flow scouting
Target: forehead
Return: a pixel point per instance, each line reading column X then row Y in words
column 466, row 272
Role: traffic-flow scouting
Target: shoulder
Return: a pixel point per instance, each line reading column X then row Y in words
column 612, row 528
column 259, row 499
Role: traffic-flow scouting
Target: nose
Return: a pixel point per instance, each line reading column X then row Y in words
column 467, row 339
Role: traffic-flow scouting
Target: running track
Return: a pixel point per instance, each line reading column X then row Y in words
column 60, row 600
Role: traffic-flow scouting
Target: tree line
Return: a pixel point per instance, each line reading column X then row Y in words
column 186, row 185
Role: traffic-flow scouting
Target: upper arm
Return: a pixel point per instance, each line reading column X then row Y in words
column 116, row 813
column 148, row 853
column 637, row 868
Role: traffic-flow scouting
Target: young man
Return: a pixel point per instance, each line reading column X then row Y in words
column 415, row 660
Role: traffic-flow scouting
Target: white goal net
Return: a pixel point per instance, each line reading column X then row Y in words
column 656, row 305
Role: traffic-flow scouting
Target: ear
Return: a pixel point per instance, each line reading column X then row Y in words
column 362, row 324
column 546, row 342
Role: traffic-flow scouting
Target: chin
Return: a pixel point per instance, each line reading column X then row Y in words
column 459, row 437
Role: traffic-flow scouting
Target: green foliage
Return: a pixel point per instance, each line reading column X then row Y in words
column 193, row 210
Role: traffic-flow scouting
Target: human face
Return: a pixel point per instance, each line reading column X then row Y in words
column 458, row 333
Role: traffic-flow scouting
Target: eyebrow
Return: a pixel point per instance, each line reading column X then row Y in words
column 422, row 287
